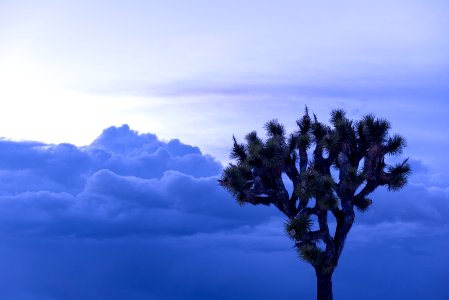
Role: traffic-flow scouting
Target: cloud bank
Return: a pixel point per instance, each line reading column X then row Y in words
column 123, row 183
column 131, row 216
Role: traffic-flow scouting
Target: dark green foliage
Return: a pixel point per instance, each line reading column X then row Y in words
column 362, row 205
column 366, row 139
column 343, row 138
column 395, row 145
column 274, row 128
column 318, row 130
column 397, row 176
column 304, row 123
column 298, row 227
column 308, row 187
column 292, row 142
column 303, row 141
column 310, row 253
column 355, row 150
column 373, row 129
column 273, row 153
column 354, row 179
column 338, row 116
column 318, row 186
column 329, row 202
column 302, row 138
column 254, row 147
column 235, row 179
column 253, row 139
column 238, row 151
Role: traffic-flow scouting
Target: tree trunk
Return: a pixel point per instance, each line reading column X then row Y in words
column 324, row 286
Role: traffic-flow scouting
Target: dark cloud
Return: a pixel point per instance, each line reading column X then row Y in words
column 131, row 216
column 419, row 202
column 124, row 183
column 131, row 183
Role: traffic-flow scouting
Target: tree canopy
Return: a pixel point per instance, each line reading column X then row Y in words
column 333, row 168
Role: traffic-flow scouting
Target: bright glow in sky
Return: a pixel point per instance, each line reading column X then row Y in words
column 69, row 69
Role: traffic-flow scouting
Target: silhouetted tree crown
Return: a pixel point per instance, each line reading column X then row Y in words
column 333, row 168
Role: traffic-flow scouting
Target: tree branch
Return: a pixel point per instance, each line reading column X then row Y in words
column 344, row 224
column 293, row 174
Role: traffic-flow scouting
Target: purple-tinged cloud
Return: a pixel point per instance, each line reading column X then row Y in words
column 124, row 183
column 131, row 216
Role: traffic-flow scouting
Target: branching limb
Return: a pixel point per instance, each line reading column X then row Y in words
column 256, row 177
column 293, row 174
column 344, row 224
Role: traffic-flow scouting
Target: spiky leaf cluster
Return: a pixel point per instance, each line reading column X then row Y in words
column 374, row 130
column 298, row 227
column 348, row 164
column 319, row 131
column 274, row 128
column 397, row 176
column 354, row 178
column 238, row 151
column 235, row 179
column 362, row 204
column 253, row 149
column 310, row 253
column 343, row 137
column 273, row 154
column 257, row 158
column 318, row 186
column 395, row 145
column 302, row 138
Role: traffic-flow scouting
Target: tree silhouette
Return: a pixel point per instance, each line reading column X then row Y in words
column 347, row 164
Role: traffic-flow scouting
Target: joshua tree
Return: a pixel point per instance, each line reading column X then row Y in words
column 346, row 164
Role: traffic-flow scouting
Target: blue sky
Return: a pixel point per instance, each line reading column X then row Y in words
column 94, row 209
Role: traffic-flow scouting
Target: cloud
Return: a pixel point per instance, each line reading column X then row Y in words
column 420, row 201
column 128, row 183
column 145, row 214
column 136, row 217
column 124, row 183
